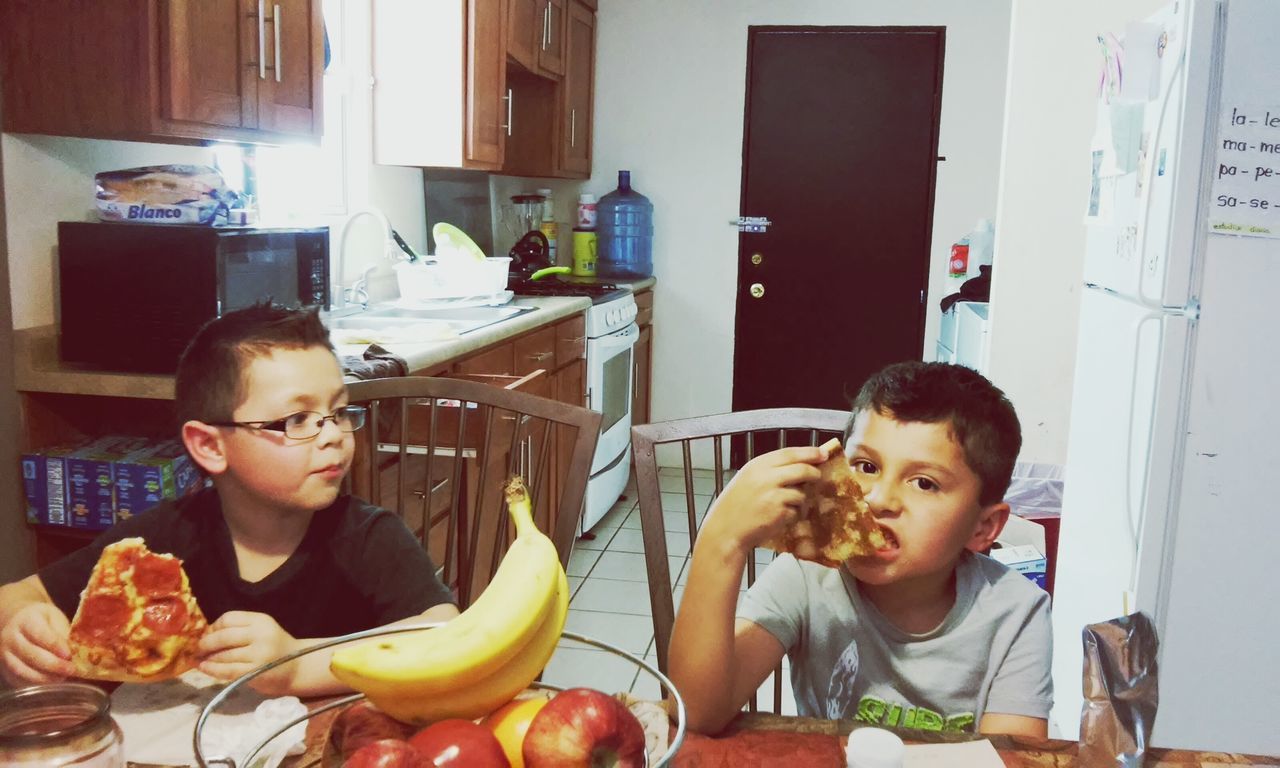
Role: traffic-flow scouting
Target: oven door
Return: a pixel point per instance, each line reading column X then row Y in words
column 609, row 391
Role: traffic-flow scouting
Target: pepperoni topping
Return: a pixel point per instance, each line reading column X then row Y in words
column 155, row 576
column 165, row 616
column 104, row 616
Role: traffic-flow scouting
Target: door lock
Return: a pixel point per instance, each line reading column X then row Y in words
column 757, row 290
column 757, row 258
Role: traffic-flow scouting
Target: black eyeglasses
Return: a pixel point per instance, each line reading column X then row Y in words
column 305, row 425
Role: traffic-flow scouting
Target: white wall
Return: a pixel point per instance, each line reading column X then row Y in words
column 670, row 79
column 50, row 179
column 1049, row 120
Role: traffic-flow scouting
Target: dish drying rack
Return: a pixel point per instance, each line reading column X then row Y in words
column 668, row 689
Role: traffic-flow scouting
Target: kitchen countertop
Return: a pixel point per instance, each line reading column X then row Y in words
column 430, row 354
column 37, row 367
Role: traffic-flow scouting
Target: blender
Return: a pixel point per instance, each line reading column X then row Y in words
column 531, row 252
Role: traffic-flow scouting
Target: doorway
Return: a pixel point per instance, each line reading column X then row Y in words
column 839, row 154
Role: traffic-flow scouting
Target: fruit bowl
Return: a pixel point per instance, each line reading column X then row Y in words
column 253, row 759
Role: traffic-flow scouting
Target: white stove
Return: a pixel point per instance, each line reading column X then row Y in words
column 611, row 334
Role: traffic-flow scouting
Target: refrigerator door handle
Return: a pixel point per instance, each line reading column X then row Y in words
column 1191, row 310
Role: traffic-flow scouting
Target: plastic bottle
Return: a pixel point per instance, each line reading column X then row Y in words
column 549, row 226
column 625, row 225
column 874, row 748
column 981, row 244
column 586, row 211
column 959, row 258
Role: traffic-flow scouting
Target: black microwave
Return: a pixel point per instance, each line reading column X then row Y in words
column 132, row 295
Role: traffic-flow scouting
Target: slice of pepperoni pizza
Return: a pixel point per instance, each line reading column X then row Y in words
column 835, row 522
column 137, row 620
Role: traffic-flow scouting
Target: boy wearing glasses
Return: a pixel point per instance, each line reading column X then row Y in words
column 278, row 558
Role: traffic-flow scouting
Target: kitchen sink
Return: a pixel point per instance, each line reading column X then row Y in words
column 431, row 322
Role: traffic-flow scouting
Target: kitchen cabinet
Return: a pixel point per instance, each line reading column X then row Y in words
column 535, row 38
column 551, row 125
column 439, row 83
column 163, row 70
column 578, row 92
column 642, row 357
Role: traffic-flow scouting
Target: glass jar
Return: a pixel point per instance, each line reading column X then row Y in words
column 63, row 724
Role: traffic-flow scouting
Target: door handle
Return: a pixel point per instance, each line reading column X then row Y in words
column 276, row 28
column 546, row 26
column 756, row 290
column 573, row 127
column 509, row 99
column 262, row 39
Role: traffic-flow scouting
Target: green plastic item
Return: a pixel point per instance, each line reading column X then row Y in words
column 549, row 271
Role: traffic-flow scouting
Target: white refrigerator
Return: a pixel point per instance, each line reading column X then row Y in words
column 1172, row 496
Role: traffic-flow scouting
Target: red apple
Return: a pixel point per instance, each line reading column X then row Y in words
column 459, row 743
column 387, row 753
column 358, row 725
column 582, row 727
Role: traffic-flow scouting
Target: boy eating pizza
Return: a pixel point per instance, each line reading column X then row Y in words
column 276, row 556
column 922, row 632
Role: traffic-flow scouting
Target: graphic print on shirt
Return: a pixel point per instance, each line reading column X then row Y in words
column 841, row 689
column 842, row 702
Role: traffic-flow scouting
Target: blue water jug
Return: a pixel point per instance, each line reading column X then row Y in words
column 624, row 223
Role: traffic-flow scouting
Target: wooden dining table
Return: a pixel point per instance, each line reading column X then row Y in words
column 759, row 739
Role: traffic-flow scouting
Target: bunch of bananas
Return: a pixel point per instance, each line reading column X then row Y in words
column 480, row 660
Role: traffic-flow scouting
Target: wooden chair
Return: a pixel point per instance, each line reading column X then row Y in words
column 439, row 450
column 774, row 426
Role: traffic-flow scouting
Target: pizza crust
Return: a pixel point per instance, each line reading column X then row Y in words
column 835, row 522
column 137, row 620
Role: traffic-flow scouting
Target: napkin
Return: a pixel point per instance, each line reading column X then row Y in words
column 159, row 720
column 965, row 754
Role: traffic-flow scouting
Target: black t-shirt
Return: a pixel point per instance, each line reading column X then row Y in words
column 356, row 568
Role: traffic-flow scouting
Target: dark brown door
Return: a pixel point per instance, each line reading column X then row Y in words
column 840, row 147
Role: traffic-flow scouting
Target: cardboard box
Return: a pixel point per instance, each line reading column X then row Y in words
column 44, row 482
column 91, row 486
column 157, row 472
column 1024, row 559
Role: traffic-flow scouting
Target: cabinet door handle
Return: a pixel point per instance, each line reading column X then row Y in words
column 573, row 127
column 509, row 99
column 262, row 39
column 538, row 357
column 276, row 28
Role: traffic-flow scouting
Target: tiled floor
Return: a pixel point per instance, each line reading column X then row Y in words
column 610, row 595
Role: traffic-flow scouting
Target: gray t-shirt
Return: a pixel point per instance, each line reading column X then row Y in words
column 991, row 653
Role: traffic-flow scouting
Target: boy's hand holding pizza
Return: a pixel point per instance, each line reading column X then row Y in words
column 763, row 498
column 34, row 646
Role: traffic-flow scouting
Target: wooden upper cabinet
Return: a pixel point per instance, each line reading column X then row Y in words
column 200, row 82
column 288, row 91
column 162, row 70
column 524, row 30
column 579, row 86
column 440, row 83
column 551, row 49
column 535, row 36
column 486, row 121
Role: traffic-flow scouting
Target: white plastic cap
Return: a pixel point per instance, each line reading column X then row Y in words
column 586, row 197
column 545, row 192
column 874, row 748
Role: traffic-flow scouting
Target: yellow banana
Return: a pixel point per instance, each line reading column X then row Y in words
column 481, row 698
column 477, row 643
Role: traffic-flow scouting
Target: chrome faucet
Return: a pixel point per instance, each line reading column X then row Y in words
column 357, row 292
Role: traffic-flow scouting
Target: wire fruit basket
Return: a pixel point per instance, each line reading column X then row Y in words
column 668, row 688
